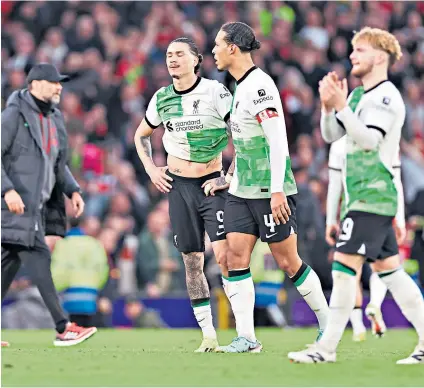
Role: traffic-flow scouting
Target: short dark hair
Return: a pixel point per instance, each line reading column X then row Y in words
column 241, row 35
column 193, row 49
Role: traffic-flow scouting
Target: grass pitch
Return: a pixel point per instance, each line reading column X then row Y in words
column 119, row 358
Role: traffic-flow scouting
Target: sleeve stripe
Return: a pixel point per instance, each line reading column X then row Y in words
column 150, row 124
column 335, row 169
column 227, row 117
column 397, row 166
column 382, row 131
column 340, row 123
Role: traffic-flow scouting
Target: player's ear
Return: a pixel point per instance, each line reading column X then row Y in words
column 382, row 57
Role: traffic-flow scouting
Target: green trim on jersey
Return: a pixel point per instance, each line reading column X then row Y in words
column 254, row 170
column 207, row 144
column 369, row 184
column 169, row 104
column 356, row 97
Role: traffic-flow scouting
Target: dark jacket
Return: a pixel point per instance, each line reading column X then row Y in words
column 55, row 211
column 24, row 165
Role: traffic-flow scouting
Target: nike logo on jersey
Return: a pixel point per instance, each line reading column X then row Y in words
column 232, row 295
column 340, row 244
column 270, row 235
column 219, row 233
column 166, row 109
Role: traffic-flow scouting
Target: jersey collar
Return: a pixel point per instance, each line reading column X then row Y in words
column 246, row 74
column 190, row 89
column 376, row 86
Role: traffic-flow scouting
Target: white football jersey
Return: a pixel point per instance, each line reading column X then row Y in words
column 194, row 119
column 368, row 174
column 255, row 92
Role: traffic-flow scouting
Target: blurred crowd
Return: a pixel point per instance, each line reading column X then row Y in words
column 114, row 52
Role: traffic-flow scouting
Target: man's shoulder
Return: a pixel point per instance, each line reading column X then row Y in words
column 163, row 91
column 386, row 94
column 259, row 84
column 260, row 76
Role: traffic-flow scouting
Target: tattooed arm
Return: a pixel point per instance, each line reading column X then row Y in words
column 220, row 183
column 231, row 169
column 144, row 150
column 143, row 144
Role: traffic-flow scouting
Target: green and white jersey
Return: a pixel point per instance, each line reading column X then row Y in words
column 255, row 92
column 337, row 161
column 368, row 176
column 194, row 120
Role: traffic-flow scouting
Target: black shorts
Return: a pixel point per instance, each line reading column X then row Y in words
column 192, row 212
column 367, row 234
column 254, row 216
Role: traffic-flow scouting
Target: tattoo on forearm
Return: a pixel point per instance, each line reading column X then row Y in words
column 147, row 145
column 232, row 166
column 197, row 286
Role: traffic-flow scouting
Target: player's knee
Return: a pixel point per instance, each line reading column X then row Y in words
column 285, row 265
column 221, row 259
column 288, row 263
column 236, row 260
column 389, row 264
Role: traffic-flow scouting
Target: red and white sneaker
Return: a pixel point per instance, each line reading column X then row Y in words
column 74, row 335
column 5, row 344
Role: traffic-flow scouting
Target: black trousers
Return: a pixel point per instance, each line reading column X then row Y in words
column 37, row 261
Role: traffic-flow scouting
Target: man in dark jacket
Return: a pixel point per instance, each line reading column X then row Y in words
column 33, row 153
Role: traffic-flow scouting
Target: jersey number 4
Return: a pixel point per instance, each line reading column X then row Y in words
column 269, row 222
column 220, row 219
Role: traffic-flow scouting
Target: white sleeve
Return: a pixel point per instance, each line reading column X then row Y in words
column 376, row 120
column 368, row 138
column 223, row 100
column 152, row 116
column 335, row 159
column 331, row 128
column 400, row 215
column 380, row 115
column 275, row 131
column 263, row 103
column 335, row 188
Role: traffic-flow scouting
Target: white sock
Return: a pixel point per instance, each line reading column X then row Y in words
column 407, row 296
column 357, row 321
column 378, row 290
column 225, row 285
column 203, row 314
column 241, row 293
column 309, row 286
column 342, row 302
